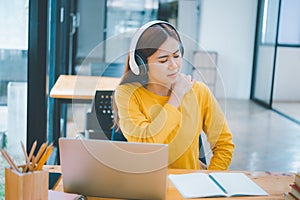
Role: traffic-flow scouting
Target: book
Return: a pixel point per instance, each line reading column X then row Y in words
column 289, row 196
column 295, row 191
column 217, row 184
column 297, row 179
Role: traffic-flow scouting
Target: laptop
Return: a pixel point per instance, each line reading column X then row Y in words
column 104, row 168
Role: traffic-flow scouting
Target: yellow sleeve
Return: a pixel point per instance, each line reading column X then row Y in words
column 218, row 134
column 136, row 125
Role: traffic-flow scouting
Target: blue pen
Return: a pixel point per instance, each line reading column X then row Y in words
column 218, row 184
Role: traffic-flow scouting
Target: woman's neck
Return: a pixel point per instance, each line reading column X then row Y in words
column 161, row 90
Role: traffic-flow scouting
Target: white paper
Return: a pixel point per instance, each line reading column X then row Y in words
column 237, row 184
column 195, row 185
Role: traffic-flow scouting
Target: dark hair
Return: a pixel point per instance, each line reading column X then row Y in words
column 153, row 38
column 148, row 43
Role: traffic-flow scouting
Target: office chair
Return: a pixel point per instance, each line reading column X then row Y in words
column 99, row 121
column 202, row 156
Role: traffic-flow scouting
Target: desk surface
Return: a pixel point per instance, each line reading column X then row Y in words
column 81, row 87
column 276, row 184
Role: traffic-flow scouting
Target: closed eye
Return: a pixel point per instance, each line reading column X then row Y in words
column 176, row 55
column 163, row 60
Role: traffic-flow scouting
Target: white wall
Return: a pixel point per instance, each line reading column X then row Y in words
column 228, row 27
column 187, row 12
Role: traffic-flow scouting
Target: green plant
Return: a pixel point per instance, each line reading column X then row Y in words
column 3, row 140
column 2, row 184
column 1, row 191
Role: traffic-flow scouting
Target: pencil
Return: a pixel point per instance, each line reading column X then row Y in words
column 40, row 152
column 32, row 150
column 26, row 157
column 9, row 160
column 44, row 158
column 32, row 166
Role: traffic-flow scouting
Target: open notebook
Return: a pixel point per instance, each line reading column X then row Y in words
column 196, row 185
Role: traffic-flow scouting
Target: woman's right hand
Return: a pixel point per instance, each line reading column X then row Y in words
column 182, row 85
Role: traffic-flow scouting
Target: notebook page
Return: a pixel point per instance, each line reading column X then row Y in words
column 237, row 184
column 195, row 185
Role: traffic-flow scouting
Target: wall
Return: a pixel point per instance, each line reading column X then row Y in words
column 228, row 27
column 187, row 12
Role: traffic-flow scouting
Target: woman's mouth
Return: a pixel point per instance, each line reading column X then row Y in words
column 173, row 75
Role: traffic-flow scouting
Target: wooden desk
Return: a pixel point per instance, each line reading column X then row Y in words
column 276, row 184
column 74, row 89
column 81, row 87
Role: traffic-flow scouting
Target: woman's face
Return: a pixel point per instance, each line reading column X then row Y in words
column 164, row 65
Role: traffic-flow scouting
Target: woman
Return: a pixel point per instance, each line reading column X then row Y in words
column 156, row 103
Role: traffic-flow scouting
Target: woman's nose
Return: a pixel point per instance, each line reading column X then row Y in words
column 172, row 63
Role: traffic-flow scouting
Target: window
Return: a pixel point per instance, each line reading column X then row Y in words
column 289, row 23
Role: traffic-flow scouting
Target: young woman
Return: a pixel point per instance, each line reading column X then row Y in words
column 156, row 103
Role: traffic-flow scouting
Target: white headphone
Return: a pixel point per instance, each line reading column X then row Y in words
column 138, row 66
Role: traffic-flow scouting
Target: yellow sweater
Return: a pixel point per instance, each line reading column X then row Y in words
column 147, row 117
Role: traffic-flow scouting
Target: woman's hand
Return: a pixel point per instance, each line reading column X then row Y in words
column 182, row 85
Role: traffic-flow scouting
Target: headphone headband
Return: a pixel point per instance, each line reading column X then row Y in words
column 132, row 62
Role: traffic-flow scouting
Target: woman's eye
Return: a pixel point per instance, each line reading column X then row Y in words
column 163, row 60
column 176, row 56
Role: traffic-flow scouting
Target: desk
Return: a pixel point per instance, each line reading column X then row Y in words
column 72, row 87
column 75, row 89
column 276, row 184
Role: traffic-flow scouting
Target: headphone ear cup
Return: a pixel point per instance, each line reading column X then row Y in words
column 181, row 49
column 142, row 65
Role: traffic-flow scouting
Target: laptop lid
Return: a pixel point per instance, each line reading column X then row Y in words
column 104, row 168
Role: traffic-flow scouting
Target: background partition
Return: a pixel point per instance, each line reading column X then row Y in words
column 265, row 51
column 275, row 82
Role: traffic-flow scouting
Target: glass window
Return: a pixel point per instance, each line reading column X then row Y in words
column 13, row 78
column 13, row 72
column 289, row 23
column 269, row 22
column 124, row 16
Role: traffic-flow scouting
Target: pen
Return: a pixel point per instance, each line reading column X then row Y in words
column 218, row 184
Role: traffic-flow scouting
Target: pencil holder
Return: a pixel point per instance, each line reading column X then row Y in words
column 31, row 185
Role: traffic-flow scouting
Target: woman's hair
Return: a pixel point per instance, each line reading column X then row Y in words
column 148, row 43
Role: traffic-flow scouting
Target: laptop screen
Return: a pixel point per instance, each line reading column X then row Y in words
column 105, row 168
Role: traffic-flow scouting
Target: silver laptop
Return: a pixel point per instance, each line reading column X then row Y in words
column 103, row 168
